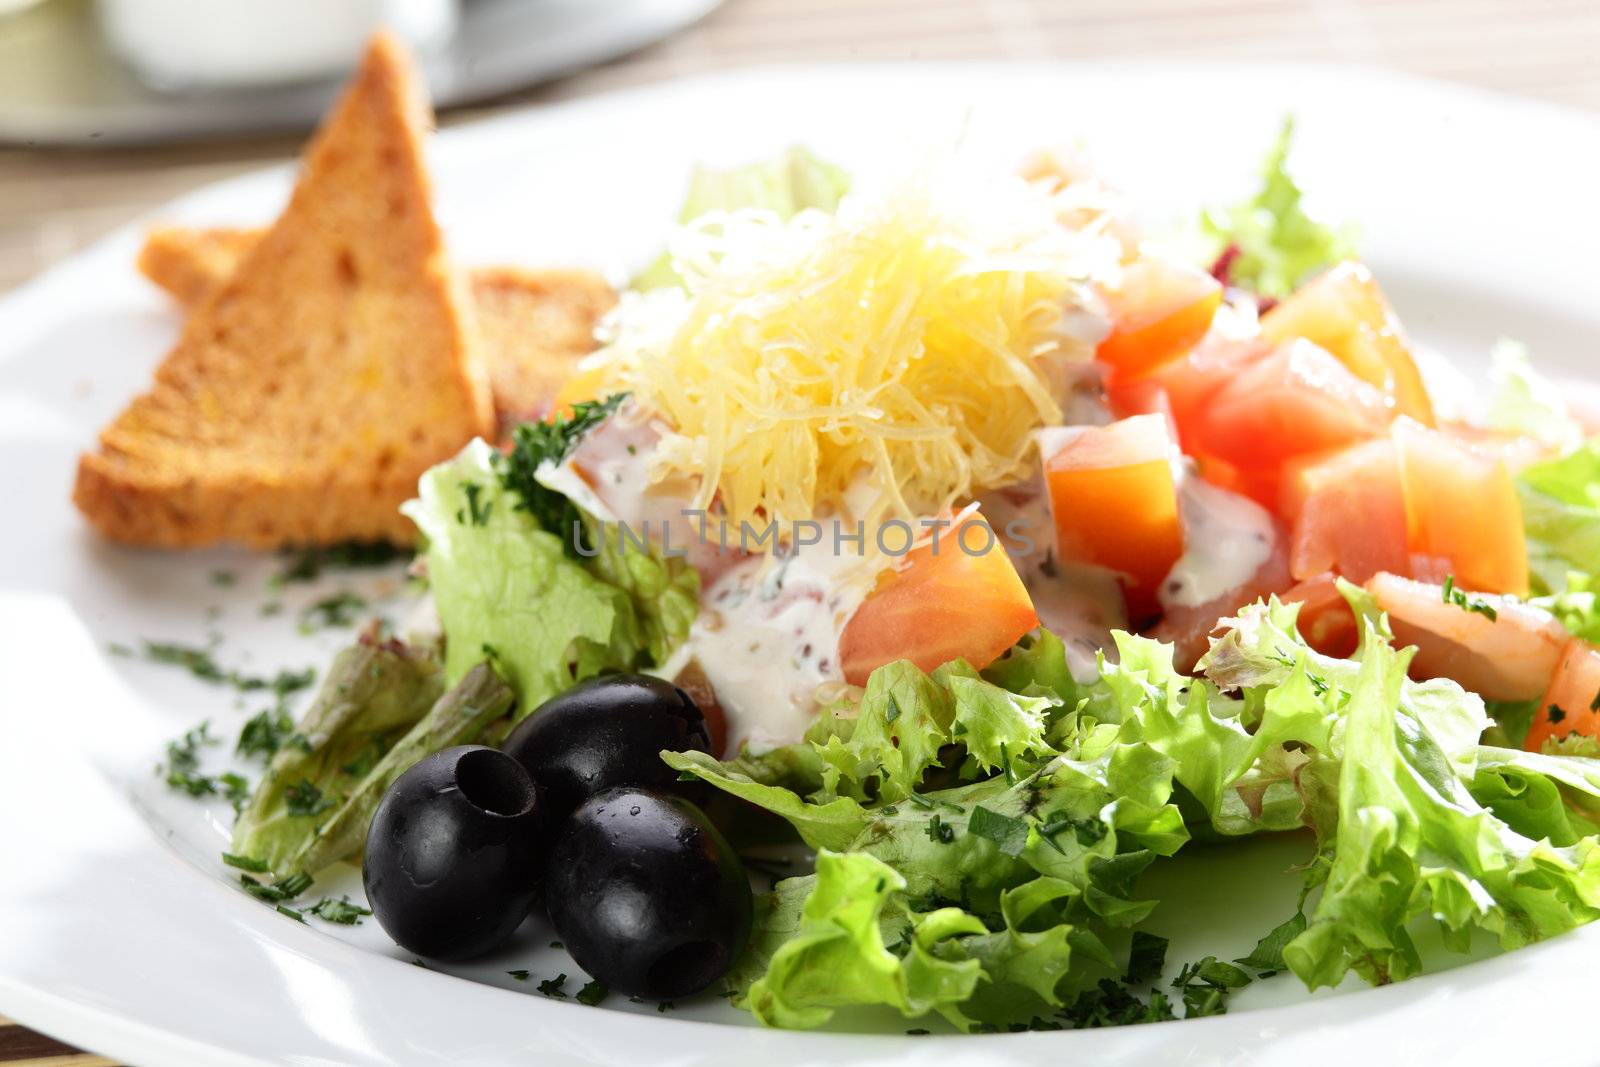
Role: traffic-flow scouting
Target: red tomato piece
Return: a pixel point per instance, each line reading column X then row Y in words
column 1568, row 705
column 1115, row 501
column 1297, row 401
column 1345, row 312
column 1462, row 507
column 1346, row 512
column 1160, row 312
column 956, row 598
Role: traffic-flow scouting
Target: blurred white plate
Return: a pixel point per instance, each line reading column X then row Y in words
column 61, row 84
column 121, row 932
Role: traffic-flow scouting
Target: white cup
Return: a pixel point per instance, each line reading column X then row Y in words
column 184, row 44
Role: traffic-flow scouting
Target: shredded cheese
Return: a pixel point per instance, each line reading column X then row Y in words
column 896, row 355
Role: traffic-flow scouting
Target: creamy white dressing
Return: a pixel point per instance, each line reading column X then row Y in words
column 767, row 638
column 1226, row 539
column 1078, row 603
column 610, row 475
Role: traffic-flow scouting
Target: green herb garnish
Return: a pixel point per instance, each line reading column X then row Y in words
column 1452, row 595
column 536, row 443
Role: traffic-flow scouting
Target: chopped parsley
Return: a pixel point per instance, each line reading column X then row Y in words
column 224, row 579
column 340, row 911
column 551, row 987
column 342, row 609
column 520, row 974
column 939, row 831
column 1009, row 835
column 264, row 734
column 592, row 993
column 183, row 762
column 303, row 798
column 1452, row 595
column 1556, row 713
column 1111, row 1003
column 536, row 443
column 1147, row 955
column 201, row 662
column 276, row 892
column 1205, row 985
column 1267, row 957
column 477, row 510
column 306, row 565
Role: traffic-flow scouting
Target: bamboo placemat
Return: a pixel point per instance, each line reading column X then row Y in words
column 52, row 203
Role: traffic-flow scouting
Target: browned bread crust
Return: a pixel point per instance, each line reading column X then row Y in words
column 311, row 389
column 535, row 324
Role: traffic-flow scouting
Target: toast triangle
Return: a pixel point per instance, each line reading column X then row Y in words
column 339, row 361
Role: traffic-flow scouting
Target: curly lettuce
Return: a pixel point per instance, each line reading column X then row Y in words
column 507, row 591
column 1269, row 243
column 790, row 183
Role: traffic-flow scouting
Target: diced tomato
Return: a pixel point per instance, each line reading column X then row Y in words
column 1568, row 705
column 1345, row 312
column 1188, row 629
column 1296, row 401
column 1190, row 383
column 1510, row 656
column 1346, row 513
column 1115, row 501
column 1160, row 312
column 1325, row 619
column 956, row 598
column 1462, row 507
column 692, row 679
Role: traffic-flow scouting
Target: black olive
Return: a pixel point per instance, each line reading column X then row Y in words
column 452, row 861
column 606, row 732
column 646, row 895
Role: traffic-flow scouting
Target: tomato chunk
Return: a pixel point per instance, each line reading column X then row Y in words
column 1160, row 312
column 957, row 597
column 1462, row 506
column 1347, row 513
column 1296, row 401
column 1345, row 312
column 1114, row 500
column 1568, row 705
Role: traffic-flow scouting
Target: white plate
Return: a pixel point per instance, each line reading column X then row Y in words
column 120, row 931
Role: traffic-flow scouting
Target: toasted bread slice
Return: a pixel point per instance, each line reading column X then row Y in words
column 535, row 323
column 310, row 390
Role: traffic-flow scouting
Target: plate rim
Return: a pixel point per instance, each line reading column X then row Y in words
column 132, row 1039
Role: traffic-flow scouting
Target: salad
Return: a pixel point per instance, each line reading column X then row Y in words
column 983, row 551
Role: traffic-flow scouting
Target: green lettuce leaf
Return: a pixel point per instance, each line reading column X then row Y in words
column 1279, row 245
column 835, row 955
column 1561, row 512
column 457, row 718
column 373, row 694
column 1523, row 401
column 787, row 185
column 1412, row 841
column 505, row 589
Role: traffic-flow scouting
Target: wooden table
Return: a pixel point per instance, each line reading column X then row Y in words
column 52, row 203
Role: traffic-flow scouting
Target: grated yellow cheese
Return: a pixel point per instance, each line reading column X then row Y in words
column 887, row 361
